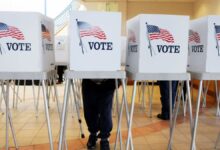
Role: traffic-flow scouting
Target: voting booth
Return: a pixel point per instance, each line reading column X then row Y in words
column 204, row 40
column 26, row 42
column 157, row 44
column 123, row 50
column 94, row 42
column 61, row 50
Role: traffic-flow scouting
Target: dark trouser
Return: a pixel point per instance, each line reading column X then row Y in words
column 164, row 92
column 60, row 72
column 97, row 103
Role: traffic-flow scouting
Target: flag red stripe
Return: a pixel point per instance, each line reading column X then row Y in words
column 95, row 31
column 218, row 36
column 163, row 35
column 12, row 32
column 194, row 36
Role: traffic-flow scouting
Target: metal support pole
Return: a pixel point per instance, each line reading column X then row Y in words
column 196, row 116
column 131, row 113
column 173, row 120
column 118, row 111
column 64, row 114
column 47, row 113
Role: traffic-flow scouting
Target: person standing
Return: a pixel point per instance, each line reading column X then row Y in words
column 165, row 98
column 97, row 103
column 60, row 72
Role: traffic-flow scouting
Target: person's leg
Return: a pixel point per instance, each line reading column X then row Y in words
column 91, row 114
column 164, row 98
column 106, row 114
column 105, row 105
column 60, row 72
column 164, row 91
column 106, row 119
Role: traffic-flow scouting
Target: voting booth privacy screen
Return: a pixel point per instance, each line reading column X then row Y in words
column 204, row 41
column 123, row 50
column 94, row 41
column 157, row 44
column 26, row 42
column 61, row 50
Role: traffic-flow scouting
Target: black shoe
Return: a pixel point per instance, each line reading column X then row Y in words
column 104, row 144
column 163, row 117
column 91, row 144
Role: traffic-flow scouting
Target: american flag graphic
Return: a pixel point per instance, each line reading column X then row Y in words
column 217, row 31
column 131, row 37
column 157, row 33
column 85, row 29
column 45, row 32
column 10, row 31
column 194, row 36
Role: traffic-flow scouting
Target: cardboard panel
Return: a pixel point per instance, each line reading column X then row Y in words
column 161, row 42
column 95, row 41
column 26, row 42
column 204, row 40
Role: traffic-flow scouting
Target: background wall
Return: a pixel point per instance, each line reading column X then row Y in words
column 206, row 7
column 175, row 8
column 131, row 8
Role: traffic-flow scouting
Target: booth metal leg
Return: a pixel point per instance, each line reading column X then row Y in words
column 189, row 103
column 139, row 92
column 48, row 93
column 143, row 102
column 24, row 92
column 204, row 92
column 47, row 113
column 6, row 97
column 72, row 103
column 64, row 114
column 118, row 111
column 128, row 115
column 190, row 108
column 193, row 146
column 17, row 95
column 13, row 105
column 173, row 120
column 35, row 101
column 183, row 102
column 185, row 99
column 58, row 104
column 177, row 110
column 12, row 128
column 171, row 104
column 7, row 114
column 56, row 97
column 38, row 97
column 124, row 102
column 151, row 93
column 191, row 87
column 77, row 108
column 217, row 98
column 131, row 114
column 1, row 97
